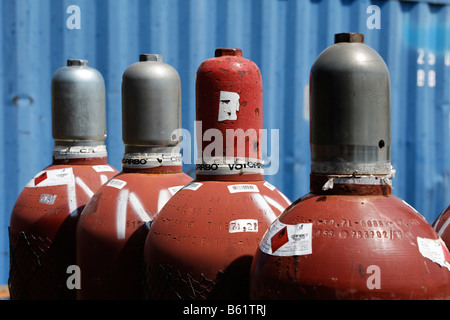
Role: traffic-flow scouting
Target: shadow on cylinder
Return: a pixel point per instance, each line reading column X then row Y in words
column 441, row 225
column 202, row 243
column 114, row 225
column 44, row 218
column 350, row 237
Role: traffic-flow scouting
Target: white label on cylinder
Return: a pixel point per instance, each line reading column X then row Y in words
column 243, row 225
column 116, row 183
column 174, row 190
column 287, row 240
column 193, row 186
column 54, row 177
column 234, row 188
column 269, row 186
column 435, row 250
column 103, row 168
column 228, row 105
column 47, row 198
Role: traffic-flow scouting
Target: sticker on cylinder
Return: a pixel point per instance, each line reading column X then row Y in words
column 435, row 250
column 243, row 225
column 174, row 190
column 269, row 186
column 228, row 105
column 47, row 198
column 54, row 177
column 102, row 168
column 116, row 183
column 243, row 188
column 193, row 186
column 287, row 240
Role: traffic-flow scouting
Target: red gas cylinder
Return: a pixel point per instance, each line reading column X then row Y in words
column 202, row 243
column 441, row 225
column 44, row 218
column 350, row 237
column 114, row 225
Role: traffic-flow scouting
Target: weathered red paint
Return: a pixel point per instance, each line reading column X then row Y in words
column 228, row 71
column 353, row 233
column 191, row 252
column 441, row 225
column 113, row 227
column 202, row 243
column 42, row 230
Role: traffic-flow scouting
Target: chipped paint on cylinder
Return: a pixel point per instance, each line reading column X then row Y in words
column 229, row 106
column 202, row 244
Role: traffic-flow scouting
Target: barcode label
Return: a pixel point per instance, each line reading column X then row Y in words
column 116, row 183
column 243, row 188
column 193, row 186
column 174, row 190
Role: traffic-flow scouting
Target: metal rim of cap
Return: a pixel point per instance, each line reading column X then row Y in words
column 151, row 57
column 219, row 52
column 354, row 37
column 77, row 62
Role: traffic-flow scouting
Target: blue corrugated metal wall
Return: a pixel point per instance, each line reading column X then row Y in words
column 282, row 36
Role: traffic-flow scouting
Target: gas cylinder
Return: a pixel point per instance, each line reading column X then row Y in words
column 44, row 218
column 202, row 243
column 441, row 226
column 113, row 227
column 350, row 237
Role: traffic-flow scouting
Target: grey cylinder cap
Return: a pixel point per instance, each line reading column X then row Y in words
column 350, row 109
column 78, row 104
column 151, row 104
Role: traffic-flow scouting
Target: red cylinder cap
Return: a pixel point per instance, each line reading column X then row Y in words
column 229, row 111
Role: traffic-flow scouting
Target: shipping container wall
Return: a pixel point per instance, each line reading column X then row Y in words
column 283, row 37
